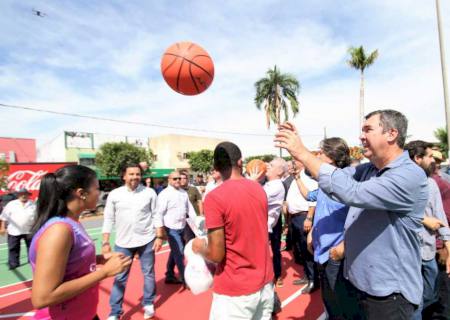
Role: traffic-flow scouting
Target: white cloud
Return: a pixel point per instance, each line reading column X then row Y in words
column 103, row 60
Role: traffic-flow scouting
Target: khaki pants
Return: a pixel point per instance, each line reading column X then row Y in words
column 255, row 306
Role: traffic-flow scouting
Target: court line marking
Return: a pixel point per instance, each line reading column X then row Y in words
column 12, row 315
column 14, row 292
column 291, row 298
column 25, row 289
column 90, row 229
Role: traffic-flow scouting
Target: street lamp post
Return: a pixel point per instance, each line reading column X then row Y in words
column 444, row 73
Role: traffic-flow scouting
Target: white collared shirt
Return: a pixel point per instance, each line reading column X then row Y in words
column 295, row 201
column 133, row 214
column 20, row 217
column 174, row 206
column 275, row 196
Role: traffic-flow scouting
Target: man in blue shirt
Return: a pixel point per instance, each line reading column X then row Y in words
column 387, row 199
column 435, row 223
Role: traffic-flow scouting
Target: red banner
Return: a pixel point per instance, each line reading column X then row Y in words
column 29, row 175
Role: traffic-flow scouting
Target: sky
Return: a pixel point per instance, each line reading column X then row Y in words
column 102, row 59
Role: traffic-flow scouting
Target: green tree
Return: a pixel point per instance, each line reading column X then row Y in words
column 201, row 161
column 113, row 155
column 4, row 170
column 276, row 92
column 441, row 135
column 360, row 61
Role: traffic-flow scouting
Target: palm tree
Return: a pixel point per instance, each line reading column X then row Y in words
column 360, row 61
column 275, row 92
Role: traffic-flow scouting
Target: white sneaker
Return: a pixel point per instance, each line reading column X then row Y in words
column 113, row 318
column 149, row 311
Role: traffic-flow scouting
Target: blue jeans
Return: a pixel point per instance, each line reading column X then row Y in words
column 429, row 275
column 147, row 262
column 176, row 257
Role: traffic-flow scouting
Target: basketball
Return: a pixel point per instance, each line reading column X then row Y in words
column 187, row 68
column 256, row 165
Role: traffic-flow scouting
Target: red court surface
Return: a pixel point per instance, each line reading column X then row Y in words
column 172, row 302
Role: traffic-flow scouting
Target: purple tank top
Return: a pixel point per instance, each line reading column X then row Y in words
column 81, row 262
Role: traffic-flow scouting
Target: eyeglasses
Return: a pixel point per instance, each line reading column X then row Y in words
column 177, row 178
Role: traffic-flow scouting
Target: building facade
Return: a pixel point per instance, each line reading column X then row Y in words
column 81, row 147
column 170, row 150
column 14, row 150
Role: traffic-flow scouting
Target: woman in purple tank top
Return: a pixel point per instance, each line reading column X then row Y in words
column 62, row 255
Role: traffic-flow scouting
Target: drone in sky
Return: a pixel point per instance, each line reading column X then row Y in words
column 39, row 13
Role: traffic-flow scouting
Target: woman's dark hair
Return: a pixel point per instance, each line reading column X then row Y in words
column 337, row 150
column 57, row 189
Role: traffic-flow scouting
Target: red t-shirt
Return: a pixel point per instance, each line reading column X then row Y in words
column 240, row 206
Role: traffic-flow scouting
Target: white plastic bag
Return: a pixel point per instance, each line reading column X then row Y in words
column 196, row 274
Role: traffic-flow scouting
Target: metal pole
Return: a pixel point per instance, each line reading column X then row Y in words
column 444, row 73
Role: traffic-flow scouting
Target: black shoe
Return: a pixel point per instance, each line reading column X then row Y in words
column 301, row 281
column 310, row 287
column 173, row 280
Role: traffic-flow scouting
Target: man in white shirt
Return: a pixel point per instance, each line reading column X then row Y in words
column 214, row 183
column 19, row 214
column 301, row 213
column 275, row 191
column 139, row 230
column 174, row 206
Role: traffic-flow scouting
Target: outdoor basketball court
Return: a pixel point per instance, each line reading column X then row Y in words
column 172, row 302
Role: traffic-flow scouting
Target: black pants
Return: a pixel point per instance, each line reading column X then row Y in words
column 330, row 275
column 275, row 243
column 301, row 254
column 391, row 307
column 188, row 234
column 289, row 234
column 14, row 249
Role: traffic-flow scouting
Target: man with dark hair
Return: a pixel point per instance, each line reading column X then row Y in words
column 434, row 221
column 139, row 230
column 196, row 200
column 441, row 309
column 236, row 219
column 387, row 199
column 19, row 215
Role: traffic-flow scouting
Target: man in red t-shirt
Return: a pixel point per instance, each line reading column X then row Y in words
column 236, row 219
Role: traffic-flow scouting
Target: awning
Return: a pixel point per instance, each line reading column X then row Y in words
column 152, row 173
column 86, row 156
column 158, row 173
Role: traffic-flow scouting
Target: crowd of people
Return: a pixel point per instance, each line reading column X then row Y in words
column 373, row 236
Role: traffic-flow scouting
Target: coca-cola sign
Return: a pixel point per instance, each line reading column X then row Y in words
column 29, row 175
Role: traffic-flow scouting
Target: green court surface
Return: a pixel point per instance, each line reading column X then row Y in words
column 23, row 273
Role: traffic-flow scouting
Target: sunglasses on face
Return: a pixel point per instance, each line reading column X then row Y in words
column 176, row 178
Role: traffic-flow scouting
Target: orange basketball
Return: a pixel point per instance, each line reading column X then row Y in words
column 187, row 68
column 256, row 165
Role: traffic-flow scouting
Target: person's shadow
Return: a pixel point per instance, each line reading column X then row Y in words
column 164, row 292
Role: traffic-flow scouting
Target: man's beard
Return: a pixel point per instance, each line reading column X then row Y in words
column 429, row 171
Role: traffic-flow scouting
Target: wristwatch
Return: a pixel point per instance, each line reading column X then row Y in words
column 309, row 218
